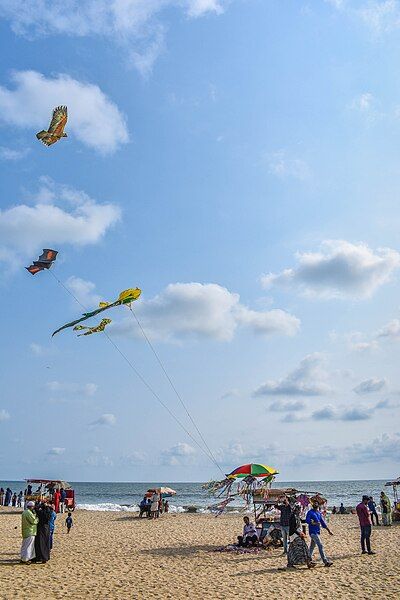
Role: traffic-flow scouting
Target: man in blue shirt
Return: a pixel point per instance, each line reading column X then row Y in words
column 315, row 521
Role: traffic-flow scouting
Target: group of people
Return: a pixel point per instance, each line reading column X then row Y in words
column 38, row 525
column 10, row 498
column 293, row 529
column 385, row 506
column 153, row 506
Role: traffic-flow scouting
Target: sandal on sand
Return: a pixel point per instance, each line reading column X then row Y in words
column 328, row 564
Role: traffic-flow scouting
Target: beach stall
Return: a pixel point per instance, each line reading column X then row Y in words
column 396, row 507
column 45, row 491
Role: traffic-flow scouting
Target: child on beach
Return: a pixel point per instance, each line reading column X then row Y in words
column 69, row 522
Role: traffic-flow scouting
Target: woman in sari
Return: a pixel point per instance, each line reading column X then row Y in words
column 298, row 553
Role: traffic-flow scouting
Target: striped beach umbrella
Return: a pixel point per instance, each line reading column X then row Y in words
column 253, row 470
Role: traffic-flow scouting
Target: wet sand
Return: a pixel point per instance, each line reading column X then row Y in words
column 117, row 555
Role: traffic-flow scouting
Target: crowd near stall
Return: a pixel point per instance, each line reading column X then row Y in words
column 289, row 518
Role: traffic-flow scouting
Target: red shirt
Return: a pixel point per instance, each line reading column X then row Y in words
column 363, row 514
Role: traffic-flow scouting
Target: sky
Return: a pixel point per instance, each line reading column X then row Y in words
column 238, row 161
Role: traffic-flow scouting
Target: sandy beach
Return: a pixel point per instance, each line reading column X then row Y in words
column 117, row 555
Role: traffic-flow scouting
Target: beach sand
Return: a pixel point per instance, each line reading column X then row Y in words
column 117, row 555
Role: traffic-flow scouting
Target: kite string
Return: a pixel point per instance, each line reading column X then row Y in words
column 178, row 395
column 138, row 374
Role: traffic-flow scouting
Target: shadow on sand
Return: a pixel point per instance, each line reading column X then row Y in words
column 178, row 550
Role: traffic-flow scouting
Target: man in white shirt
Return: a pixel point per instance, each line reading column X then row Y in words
column 249, row 537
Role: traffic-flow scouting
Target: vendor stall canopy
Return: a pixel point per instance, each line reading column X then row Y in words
column 252, row 469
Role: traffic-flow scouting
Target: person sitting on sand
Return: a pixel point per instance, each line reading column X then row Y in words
column 315, row 521
column 342, row 510
column 298, row 553
column 364, row 518
column 249, row 537
column 334, row 510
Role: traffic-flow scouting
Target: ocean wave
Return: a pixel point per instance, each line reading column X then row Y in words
column 114, row 507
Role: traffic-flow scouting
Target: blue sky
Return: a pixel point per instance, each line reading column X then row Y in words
column 238, row 161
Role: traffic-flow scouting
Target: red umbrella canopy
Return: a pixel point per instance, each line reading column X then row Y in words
column 253, row 470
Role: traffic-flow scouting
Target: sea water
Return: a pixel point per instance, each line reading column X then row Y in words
column 127, row 496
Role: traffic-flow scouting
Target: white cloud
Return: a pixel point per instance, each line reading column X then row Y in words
column 391, row 330
column 381, row 16
column 184, row 310
column 132, row 25
column 83, row 290
column 96, row 458
column 37, row 349
column 60, row 215
column 56, row 451
column 340, row 269
column 233, row 393
column 107, row 419
column 4, row 415
column 287, row 406
column 329, row 413
column 12, row 154
column 279, row 164
column 363, row 102
column 134, row 458
column 86, row 389
column 179, row 454
column 370, row 386
column 308, row 379
column 93, row 118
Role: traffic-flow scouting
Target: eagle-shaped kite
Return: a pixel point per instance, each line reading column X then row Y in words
column 56, row 128
column 45, row 261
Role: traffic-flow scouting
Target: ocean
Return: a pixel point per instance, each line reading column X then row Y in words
column 126, row 496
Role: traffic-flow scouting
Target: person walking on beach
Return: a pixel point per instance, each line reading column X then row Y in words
column 372, row 509
column 386, row 508
column 69, row 522
column 364, row 518
column 29, row 523
column 315, row 521
column 285, row 510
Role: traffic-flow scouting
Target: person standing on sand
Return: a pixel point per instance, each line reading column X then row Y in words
column 285, row 510
column 7, row 499
column 315, row 521
column 154, row 505
column 386, row 508
column 52, row 524
column 298, row 553
column 69, row 523
column 364, row 518
column 29, row 523
column 372, row 508
column 42, row 540
column 19, row 501
column 56, row 500
column 1, row 496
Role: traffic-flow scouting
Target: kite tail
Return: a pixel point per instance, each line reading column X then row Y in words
column 41, row 134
